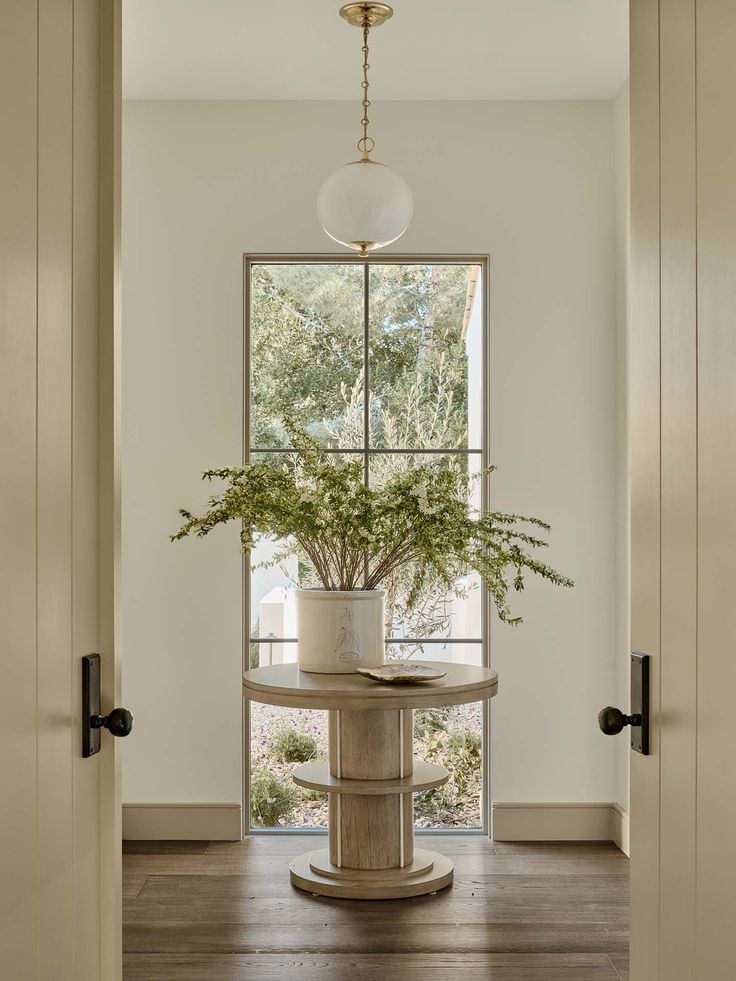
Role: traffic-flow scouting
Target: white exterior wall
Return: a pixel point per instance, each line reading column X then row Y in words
column 530, row 183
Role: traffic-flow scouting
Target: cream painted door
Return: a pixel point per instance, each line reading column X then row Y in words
column 59, row 825
column 683, row 434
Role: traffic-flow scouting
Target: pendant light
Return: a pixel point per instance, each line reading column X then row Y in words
column 365, row 205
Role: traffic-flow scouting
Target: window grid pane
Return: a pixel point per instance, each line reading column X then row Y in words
column 456, row 730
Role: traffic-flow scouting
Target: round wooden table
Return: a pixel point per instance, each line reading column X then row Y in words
column 371, row 775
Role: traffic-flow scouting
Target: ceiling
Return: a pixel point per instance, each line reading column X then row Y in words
column 430, row 49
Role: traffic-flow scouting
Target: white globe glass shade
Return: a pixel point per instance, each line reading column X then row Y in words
column 365, row 205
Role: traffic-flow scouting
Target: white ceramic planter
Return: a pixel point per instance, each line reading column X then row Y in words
column 340, row 631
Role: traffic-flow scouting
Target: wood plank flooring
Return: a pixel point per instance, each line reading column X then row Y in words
column 222, row 911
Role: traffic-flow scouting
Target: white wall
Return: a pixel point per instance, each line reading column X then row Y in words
column 530, row 183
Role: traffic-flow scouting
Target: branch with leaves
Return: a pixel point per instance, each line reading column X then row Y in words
column 357, row 537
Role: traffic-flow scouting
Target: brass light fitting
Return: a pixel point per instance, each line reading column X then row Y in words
column 365, row 16
column 365, row 205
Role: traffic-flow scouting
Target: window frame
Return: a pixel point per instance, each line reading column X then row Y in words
column 335, row 258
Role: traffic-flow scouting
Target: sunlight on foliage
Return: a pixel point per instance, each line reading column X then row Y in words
column 358, row 537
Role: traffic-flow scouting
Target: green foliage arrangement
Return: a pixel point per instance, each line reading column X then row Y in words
column 293, row 746
column 271, row 802
column 358, row 537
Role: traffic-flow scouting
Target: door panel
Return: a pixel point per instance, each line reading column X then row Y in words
column 54, row 500
column 645, row 472
column 85, row 467
column 678, row 681
column 18, row 749
column 683, row 323
column 716, row 749
column 59, row 862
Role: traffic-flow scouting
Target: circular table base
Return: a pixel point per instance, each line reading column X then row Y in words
column 320, row 863
column 372, row 884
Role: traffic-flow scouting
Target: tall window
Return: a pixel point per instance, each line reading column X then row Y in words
column 381, row 360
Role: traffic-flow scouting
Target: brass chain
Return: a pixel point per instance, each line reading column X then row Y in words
column 365, row 143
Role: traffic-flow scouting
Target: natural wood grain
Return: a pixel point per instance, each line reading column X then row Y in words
column 472, row 855
column 369, row 967
column 425, row 776
column 165, row 847
column 621, row 964
column 290, row 844
column 553, row 914
column 238, row 899
column 371, row 744
column 371, row 732
column 384, row 936
column 319, row 861
column 369, row 828
column 267, row 886
column 285, row 684
column 398, row 884
column 132, row 883
column 368, row 831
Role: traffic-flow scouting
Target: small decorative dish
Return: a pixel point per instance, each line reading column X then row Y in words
column 402, row 673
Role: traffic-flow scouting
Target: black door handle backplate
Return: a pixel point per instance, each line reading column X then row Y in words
column 118, row 723
column 612, row 720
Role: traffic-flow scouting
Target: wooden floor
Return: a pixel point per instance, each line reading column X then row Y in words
column 198, row 911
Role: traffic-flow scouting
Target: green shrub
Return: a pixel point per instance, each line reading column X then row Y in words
column 313, row 795
column 271, row 802
column 293, row 746
column 428, row 721
column 448, row 736
column 465, row 744
column 462, row 757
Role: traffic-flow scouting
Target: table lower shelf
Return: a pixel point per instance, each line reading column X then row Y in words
column 317, row 776
column 429, row 872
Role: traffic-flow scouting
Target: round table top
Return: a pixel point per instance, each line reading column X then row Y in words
column 285, row 684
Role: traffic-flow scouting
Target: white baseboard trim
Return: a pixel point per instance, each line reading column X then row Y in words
column 561, row 822
column 620, row 828
column 511, row 822
column 181, row 822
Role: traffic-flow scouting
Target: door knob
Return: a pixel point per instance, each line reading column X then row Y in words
column 612, row 720
column 118, row 723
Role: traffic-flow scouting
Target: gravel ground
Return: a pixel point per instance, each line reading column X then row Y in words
column 456, row 805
